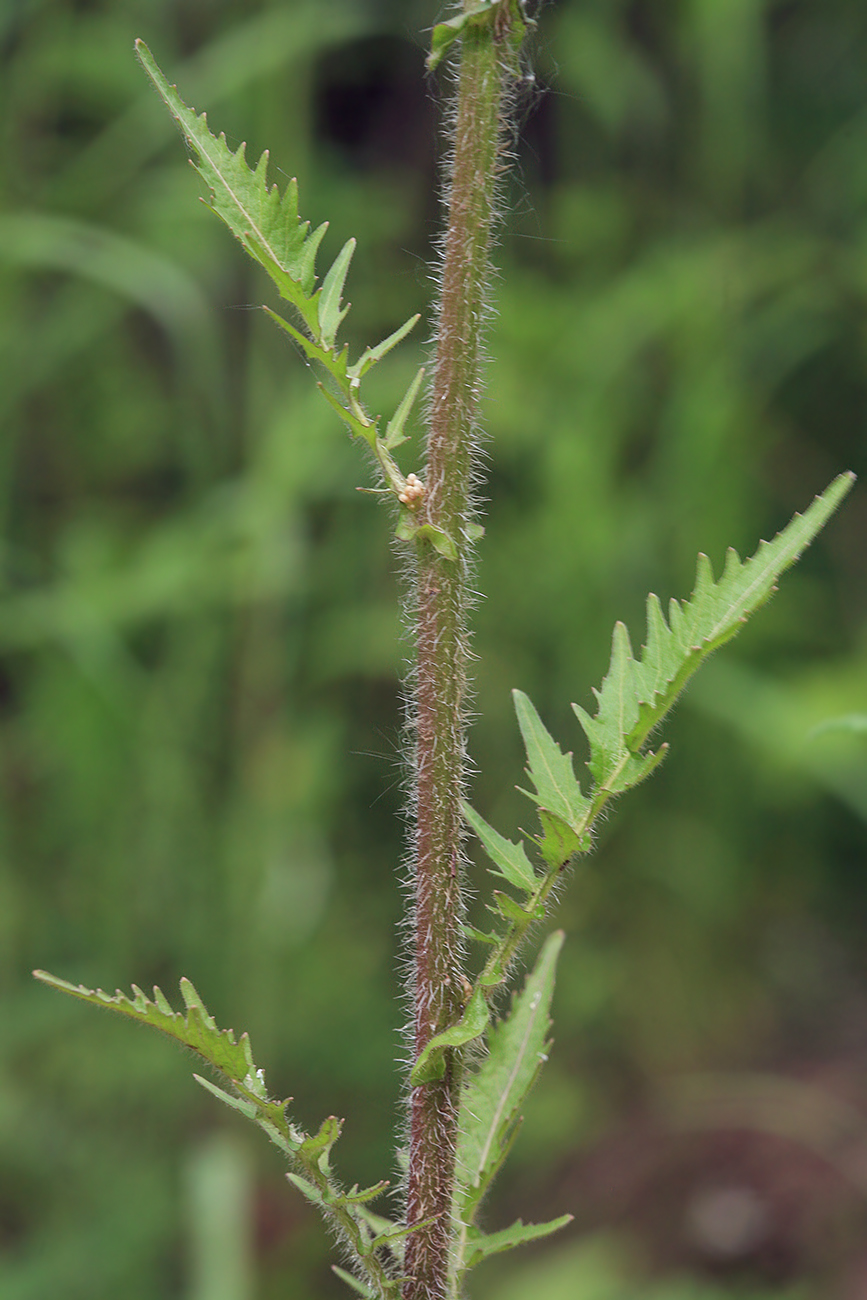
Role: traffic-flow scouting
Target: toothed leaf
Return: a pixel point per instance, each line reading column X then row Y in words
column 197, row 1029
column 409, row 530
column 307, row 1189
column 360, row 1196
column 393, row 1237
column 550, row 769
column 470, row 932
column 265, row 222
column 637, row 694
column 517, row 1047
column 510, row 860
column 331, row 313
column 380, row 1226
column 357, row 426
column 480, row 1246
column 318, row 1147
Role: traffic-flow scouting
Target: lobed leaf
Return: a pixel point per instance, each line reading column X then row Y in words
column 358, row 1196
column 268, row 225
column 316, row 1149
column 480, row 1246
column 564, row 810
column 408, row 530
column 265, row 222
column 637, row 694
column 197, row 1029
column 246, row 1108
column 558, row 841
column 307, row 1189
column 379, row 1226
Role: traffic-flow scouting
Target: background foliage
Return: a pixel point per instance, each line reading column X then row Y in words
column 200, row 746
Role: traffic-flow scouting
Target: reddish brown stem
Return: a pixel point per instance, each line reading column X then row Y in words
column 442, row 651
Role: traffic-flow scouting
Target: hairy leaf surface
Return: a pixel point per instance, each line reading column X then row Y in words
column 510, row 859
column 266, row 222
column 636, row 694
column 550, row 770
column 431, row 1064
column 480, row 1246
column 195, row 1028
column 495, row 1093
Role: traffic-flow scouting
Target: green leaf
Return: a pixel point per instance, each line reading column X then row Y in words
column 197, row 1029
column 246, row 1108
column 265, row 222
column 385, row 1230
column 356, row 425
column 558, row 842
column 496, row 967
column 550, row 770
column 394, row 1236
column 517, row 1047
column 470, row 932
column 394, row 434
column 439, row 539
column 430, row 1064
column 483, row 12
column 307, row 1189
column 268, row 225
column 370, row 356
column 446, row 33
column 317, row 1148
column 480, row 1246
column 360, row 1287
column 612, row 763
column 360, row 1196
column 637, row 694
column 334, row 362
column 510, row 859
column 513, row 911
column 330, row 311
column 409, row 530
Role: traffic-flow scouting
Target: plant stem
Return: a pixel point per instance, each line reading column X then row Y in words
column 442, row 648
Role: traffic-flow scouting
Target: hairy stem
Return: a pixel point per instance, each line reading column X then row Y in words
column 442, row 646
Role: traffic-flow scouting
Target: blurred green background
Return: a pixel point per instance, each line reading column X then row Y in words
column 201, row 763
